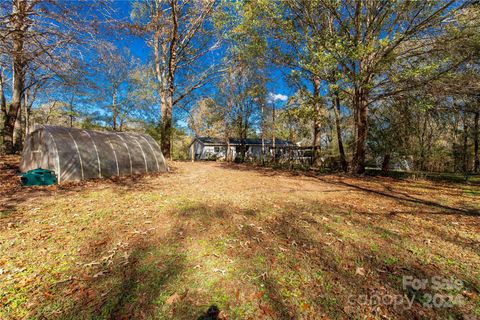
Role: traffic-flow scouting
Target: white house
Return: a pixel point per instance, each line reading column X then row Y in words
column 207, row 148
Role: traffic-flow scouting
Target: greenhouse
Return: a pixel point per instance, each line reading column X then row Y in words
column 78, row 154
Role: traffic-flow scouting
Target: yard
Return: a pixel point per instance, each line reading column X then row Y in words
column 257, row 243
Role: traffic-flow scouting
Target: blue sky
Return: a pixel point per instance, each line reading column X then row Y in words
column 138, row 47
column 96, row 104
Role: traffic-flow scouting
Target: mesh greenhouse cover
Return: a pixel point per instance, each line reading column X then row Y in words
column 78, row 154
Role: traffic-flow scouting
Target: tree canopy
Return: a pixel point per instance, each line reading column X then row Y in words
column 363, row 83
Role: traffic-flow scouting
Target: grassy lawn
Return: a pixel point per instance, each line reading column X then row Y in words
column 257, row 243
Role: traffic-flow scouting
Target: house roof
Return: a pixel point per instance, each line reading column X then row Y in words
column 218, row 141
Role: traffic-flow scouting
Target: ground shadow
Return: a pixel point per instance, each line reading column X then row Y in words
column 403, row 197
column 340, row 290
column 391, row 194
column 303, row 258
column 13, row 194
column 212, row 313
column 122, row 290
column 308, row 268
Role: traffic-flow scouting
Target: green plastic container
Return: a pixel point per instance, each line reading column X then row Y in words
column 38, row 177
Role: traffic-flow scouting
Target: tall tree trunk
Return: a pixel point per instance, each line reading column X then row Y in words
column 243, row 135
column 242, row 128
column 475, row 141
column 226, row 137
column 262, row 153
column 19, row 66
column 172, row 61
column 361, row 107
column 166, row 134
column 13, row 113
column 422, row 143
column 341, row 150
column 291, row 135
column 226, row 115
column 21, row 125
column 160, row 56
column 465, row 144
column 18, row 130
column 316, row 121
column 3, row 101
column 72, row 110
column 114, row 108
column 386, row 164
column 244, row 140
column 3, row 107
column 27, row 111
column 228, row 152
column 274, row 133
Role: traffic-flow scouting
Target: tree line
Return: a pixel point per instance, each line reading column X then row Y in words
column 386, row 83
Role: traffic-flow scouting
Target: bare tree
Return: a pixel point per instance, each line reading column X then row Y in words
column 3, row 103
column 42, row 38
column 372, row 33
column 476, row 135
column 178, row 33
column 113, row 71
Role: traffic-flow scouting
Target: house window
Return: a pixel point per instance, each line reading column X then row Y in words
column 216, row 149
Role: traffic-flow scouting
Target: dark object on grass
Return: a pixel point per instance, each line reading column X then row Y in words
column 38, row 177
column 386, row 164
column 212, row 314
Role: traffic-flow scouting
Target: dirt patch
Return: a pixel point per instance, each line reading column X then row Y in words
column 257, row 243
column 8, row 175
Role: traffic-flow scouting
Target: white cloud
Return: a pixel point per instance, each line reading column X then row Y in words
column 272, row 97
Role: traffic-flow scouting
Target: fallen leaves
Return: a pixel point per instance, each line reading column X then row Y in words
column 108, row 259
column 173, row 298
column 360, row 271
column 267, row 310
column 221, row 271
column 305, row 245
column 100, row 273
column 256, row 295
